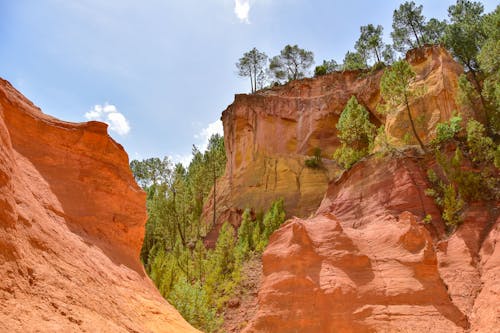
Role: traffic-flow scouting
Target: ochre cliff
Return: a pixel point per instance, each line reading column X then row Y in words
column 269, row 134
column 366, row 262
column 71, row 227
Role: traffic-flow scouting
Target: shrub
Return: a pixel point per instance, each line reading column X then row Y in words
column 274, row 218
column 193, row 303
column 315, row 161
column 452, row 206
column 480, row 146
column 346, row 156
column 356, row 133
column 448, row 130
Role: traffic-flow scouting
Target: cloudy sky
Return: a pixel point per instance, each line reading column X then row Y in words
column 160, row 72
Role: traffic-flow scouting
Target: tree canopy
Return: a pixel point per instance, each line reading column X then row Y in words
column 395, row 90
column 291, row 64
column 408, row 26
column 370, row 42
column 253, row 65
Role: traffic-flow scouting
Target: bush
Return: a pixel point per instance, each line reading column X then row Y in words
column 480, row 146
column 320, row 70
column 194, row 305
column 448, row 130
column 452, row 206
column 346, row 156
column 315, row 161
column 356, row 133
column 274, row 218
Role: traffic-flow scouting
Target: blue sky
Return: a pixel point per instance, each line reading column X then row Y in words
column 162, row 71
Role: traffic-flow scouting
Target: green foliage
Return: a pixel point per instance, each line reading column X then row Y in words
column 464, row 35
column 381, row 141
column 489, row 63
column 328, row 66
column 370, row 42
column 448, row 130
column 452, row 206
column 315, row 161
column 354, row 61
column 274, row 218
column 291, row 64
column 395, row 90
column 481, row 146
column 346, row 156
column 408, row 26
column 459, row 185
column 388, row 54
column 355, row 132
column 434, row 31
column 246, row 235
column 427, row 219
column 467, row 95
column 193, row 303
column 253, row 65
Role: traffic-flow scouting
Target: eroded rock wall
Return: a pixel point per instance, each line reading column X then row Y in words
column 71, row 227
column 269, row 134
column 366, row 262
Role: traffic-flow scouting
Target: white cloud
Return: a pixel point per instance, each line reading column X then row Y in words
column 207, row 132
column 108, row 113
column 242, row 9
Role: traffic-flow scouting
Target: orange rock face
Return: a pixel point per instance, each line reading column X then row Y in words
column 269, row 134
column 366, row 262
column 71, row 227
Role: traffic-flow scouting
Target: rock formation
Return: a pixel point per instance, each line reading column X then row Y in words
column 269, row 134
column 71, row 227
column 366, row 262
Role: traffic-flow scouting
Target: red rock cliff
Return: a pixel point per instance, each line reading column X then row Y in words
column 71, row 227
column 367, row 263
column 269, row 134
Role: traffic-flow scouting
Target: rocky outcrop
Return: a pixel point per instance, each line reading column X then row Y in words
column 366, row 262
column 269, row 134
column 71, row 227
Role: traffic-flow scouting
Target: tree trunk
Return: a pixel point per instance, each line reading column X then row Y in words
column 376, row 54
column 478, row 89
column 416, row 35
column 413, row 125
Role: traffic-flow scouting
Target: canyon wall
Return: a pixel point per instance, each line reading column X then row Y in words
column 367, row 262
column 71, row 228
column 269, row 135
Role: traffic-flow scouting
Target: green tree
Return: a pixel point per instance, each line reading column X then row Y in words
column 489, row 63
column 354, row 61
column 274, row 218
column 356, row 133
column 434, row 31
column 395, row 90
column 216, row 160
column 388, row 54
column 253, row 65
column 245, row 234
column 408, row 26
column 193, row 303
column 291, row 64
column 328, row 66
column 464, row 35
column 370, row 42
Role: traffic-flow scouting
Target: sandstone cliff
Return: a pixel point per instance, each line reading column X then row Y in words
column 71, row 227
column 366, row 262
column 269, row 134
